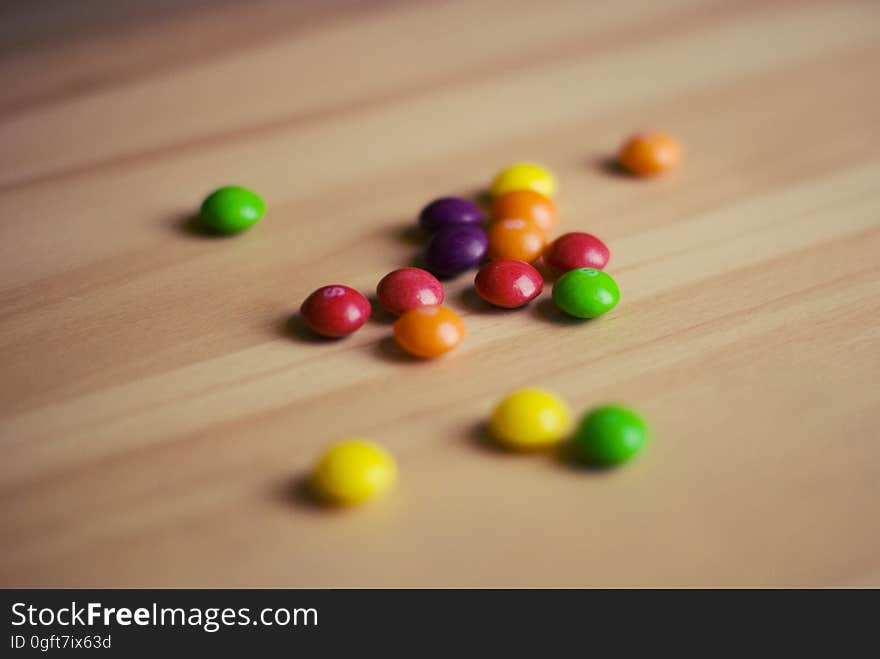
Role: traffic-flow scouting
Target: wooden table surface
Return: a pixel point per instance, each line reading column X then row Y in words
column 158, row 410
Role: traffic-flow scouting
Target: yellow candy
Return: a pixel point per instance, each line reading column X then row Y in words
column 524, row 176
column 530, row 419
column 353, row 471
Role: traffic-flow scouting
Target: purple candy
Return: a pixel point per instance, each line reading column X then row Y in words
column 456, row 248
column 449, row 211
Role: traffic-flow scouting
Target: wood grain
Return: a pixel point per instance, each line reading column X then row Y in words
column 158, row 409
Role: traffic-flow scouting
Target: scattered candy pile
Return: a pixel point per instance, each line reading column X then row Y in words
column 522, row 214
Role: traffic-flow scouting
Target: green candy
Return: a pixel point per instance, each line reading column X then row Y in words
column 231, row 209
column 610, row 435
column 586, row 293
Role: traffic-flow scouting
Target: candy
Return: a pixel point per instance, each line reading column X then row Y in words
column 454, row 249
column 429, row 331
column 231, row 209
column 335, row 310
column 586, row 292
column 524, row 176
column 650, row 153
column 530, row 419
column 575, row 250
column 515, row 238
column 528, row 205
column 610, row 435
column 507, row 283
column 408, row 288
column 449, row 211
column 353, row 471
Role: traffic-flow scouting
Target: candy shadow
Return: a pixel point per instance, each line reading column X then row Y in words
column 478, row 436
column 191, row 225
column 482, row 198
column 548, row 312
column 546, row 273
column 410, row 234
column 566, row 457
column 610, row 166
column 446, row 279
column 378, row 314
column 297, row 491
column 389, row 350
column 471, row 300
column 417, row 260
column 294, row 327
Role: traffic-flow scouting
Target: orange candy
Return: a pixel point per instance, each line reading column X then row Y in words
column 429, row 331
column 515, row 238
column 528, row 205
column 650, row 153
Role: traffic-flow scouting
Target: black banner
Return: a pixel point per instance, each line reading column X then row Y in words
column 416, row 622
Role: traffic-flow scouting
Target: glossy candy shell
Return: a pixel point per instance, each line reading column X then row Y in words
column 429, row 331
column 353, row 471
column 453, row 250
column 231, row 209
column 528, row 205
column 610, row 435
column 449, row 211
column 586, row 293
column 508, row 284
column 530, row 419
column 517, row 239
column 576, row 250
column 524, row 176
column 650, row 153
column 335, row 311
column 408, row 288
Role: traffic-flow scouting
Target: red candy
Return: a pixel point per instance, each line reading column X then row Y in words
column 408, row 288
column 335, row 310
column 575, row 250
column 508, row 283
